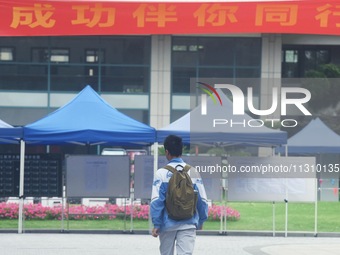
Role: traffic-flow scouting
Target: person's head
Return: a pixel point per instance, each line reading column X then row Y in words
column 173, row 146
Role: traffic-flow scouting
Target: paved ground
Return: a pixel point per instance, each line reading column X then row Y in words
column 131, row 244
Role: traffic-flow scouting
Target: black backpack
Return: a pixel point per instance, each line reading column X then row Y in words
column 181, row 198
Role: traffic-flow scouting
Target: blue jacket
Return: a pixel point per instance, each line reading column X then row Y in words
column 158, row 211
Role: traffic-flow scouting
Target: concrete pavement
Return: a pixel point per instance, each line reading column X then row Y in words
column 131, row 244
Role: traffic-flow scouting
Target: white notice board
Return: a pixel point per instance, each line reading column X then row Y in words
column 284, row 178
column 97, row 176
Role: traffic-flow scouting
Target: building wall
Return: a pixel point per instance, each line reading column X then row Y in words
column 44, row 73
column 159, row 100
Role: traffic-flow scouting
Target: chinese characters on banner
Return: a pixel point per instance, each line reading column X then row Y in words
column 36, row 18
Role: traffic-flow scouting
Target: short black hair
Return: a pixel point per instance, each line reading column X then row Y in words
column 174, row 145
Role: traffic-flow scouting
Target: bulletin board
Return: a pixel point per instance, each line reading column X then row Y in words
column 144, row 173
column 97, row 176
column 284, row 178
column 42, row 175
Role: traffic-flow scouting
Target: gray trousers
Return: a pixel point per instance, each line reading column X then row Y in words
column 184, row 240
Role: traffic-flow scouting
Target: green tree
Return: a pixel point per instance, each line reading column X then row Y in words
column 324, row 85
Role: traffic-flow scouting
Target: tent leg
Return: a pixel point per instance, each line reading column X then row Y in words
column 21, row 187
column 155, row 168
column 226, row 209
column 155, row 157
column 222, row 212
column 132, row 198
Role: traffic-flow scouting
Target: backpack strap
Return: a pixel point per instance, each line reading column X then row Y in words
column 170, row 168
column 186, row 168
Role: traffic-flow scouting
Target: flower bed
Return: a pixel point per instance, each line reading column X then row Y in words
column 110, row 211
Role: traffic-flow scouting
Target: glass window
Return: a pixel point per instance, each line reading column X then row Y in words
column 181, row 56
column 68, row 63
column 322, row 56
column 6, row 54
column 54, row 55
column 60, row 55
column 290, row 60
column 213, row 57
column 181, row 78
column 216, row 51
column 247, row 72
column 127, row 79
column 23, row 77
column 297, row 60
column 248, row 53
column 315, row 58
column 65, row 77
column 127, row 50
column 215, row 72
column 179, row 48
column 39, row 55
column 291, row 56
column 94, row 56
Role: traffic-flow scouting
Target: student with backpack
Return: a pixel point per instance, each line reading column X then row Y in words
column 179, row 203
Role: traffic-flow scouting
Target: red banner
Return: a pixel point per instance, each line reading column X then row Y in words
column 38, row 18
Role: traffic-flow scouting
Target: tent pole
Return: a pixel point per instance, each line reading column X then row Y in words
column 132, row 198
column 21, row 187
column 222, row 212
column 155, row 168
column 155, row 157
column 226, row 209
column 286, row 214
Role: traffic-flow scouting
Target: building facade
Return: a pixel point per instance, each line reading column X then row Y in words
column 146, row 77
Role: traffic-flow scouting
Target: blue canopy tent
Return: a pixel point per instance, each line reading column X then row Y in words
column 315, row 138
column 89, row 120
column 9, row 134
column 194, row 127
column 86, row 120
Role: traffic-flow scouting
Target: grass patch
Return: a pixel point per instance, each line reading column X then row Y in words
column 254, row 217
column 301, row 216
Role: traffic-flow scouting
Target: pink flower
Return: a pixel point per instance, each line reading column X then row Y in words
column 109, row 211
